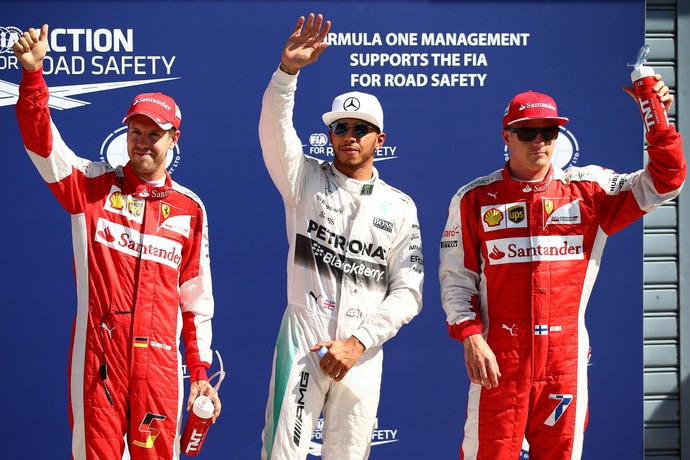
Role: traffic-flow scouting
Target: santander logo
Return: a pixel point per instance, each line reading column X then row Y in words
column 497, row 254
column 535, row 248
column 131, row 242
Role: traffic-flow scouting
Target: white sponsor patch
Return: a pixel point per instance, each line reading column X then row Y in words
column 125, row 205
column 178, row 224
column 129, row 241
column 562, row 214
column 503, row 216
column 535, row 248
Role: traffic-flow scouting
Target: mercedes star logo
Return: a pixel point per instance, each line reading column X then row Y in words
column 351, row 104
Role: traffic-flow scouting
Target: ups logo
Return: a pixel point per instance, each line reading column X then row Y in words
column 135, row 207
column 516, row 214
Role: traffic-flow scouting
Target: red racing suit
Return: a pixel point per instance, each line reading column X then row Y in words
column 142, row 273
column 517, row 264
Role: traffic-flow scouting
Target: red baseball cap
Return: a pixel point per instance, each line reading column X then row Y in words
column 158, row 107
column 531, row 105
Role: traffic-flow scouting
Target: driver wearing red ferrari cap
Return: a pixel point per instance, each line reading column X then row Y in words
column 518, row 259
column 142, row 269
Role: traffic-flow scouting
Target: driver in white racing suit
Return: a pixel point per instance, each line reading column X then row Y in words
column 355, row 269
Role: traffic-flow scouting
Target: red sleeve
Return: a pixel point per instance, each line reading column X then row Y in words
column 666, row 160
column 33, row 113
column 463, row 330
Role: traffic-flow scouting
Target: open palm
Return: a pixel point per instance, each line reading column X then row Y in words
column 306, row 43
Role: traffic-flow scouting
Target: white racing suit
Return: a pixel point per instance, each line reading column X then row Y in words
column 354, row 268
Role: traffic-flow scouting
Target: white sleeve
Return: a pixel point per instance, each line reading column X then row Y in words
column 404, row 299
column 459, row 275
column 281, row 147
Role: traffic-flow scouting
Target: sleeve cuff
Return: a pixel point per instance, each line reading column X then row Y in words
column 32, row 79
column 363, row 336
column 197, row 373
column 462, row 331
column 284, row 79
column 658, row 137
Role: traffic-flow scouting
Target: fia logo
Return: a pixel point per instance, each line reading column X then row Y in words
column 8, row 35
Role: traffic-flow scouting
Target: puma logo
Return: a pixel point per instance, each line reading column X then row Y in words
column 509, row 329
column 110, row 330
column 493, row 195
column 316, row 298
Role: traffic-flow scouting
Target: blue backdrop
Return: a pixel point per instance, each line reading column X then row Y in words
column 444, row 72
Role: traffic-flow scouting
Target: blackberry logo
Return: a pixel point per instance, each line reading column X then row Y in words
column 317, row 249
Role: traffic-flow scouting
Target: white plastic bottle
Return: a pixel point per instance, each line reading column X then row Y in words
column 359, row 385
column 652, row 110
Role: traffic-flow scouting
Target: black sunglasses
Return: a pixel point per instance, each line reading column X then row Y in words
column 528, row 134
column 360, row 129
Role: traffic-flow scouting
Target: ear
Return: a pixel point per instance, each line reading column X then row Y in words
column 380, row 139
column 506, row 137
column 174, row 138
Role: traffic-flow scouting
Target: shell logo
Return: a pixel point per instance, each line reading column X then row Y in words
column 116, row 200
column 493, row 217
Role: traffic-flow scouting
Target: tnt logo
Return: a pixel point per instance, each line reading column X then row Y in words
column 194, row 441
column 653, row 114
column 646, row 108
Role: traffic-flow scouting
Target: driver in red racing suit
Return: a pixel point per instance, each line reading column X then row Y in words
column 142, row 271
column 518, row 259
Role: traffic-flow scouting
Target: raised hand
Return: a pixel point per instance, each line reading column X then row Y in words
column 662, row 91
column 306, row 43
column 31, row 48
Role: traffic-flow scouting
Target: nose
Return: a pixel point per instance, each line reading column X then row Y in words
column 350, row 133
column 540, row 139
column 141, row 142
